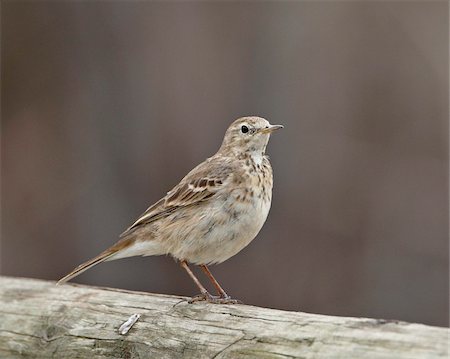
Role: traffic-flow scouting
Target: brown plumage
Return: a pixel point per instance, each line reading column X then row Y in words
column 214, row 212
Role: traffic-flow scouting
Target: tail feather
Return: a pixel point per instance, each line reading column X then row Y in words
column 86, row 265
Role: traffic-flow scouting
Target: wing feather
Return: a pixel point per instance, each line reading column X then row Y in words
column 199, row 185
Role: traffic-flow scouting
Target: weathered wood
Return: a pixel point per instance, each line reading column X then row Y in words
column 41, row 320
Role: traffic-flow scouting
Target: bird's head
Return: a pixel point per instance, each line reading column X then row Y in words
column 247, row 135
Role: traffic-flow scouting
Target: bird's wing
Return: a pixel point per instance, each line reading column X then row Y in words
column 199, row 185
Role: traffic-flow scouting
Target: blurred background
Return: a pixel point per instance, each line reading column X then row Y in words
column 107, row 105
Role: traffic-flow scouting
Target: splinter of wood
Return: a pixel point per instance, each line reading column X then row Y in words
column 125, row 327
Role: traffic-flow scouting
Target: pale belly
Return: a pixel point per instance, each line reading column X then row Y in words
column 220, row 231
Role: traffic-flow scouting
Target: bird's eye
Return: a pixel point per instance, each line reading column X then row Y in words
column 244, row 129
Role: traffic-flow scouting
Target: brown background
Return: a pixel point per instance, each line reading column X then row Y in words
column 106, row 105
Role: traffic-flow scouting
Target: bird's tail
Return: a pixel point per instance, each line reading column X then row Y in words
column 124, row 248
column 86, row 265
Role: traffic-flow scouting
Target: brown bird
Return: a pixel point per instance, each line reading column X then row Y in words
column 216, row 210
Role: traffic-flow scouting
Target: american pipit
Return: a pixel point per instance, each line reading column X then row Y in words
column 214, row 212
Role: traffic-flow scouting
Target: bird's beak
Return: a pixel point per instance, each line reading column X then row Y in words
column 271, row 128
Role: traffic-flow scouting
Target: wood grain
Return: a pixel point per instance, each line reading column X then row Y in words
column 41, row 320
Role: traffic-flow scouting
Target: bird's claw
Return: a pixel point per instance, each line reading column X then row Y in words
column 203, row 297
column 206, row 297
column 229, row 300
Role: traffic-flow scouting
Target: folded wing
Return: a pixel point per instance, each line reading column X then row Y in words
column 200, row 185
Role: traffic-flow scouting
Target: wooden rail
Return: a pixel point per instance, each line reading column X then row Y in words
column 41, row 320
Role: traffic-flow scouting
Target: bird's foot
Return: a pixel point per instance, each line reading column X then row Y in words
column 206, row 297
column 228, row 300
column 203, row 297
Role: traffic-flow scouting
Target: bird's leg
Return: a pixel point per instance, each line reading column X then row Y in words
column 224, row 297
column 204, row 293
column 213, row 280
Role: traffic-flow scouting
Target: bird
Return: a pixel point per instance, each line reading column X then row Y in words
column 214, row 212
